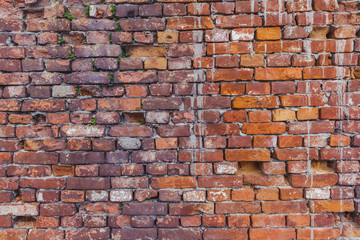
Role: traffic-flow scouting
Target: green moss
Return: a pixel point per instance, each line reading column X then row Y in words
column 77, row 89
column 61, row 40
column 118, row 28
column 87, row 11
column 68, row 15
column 111, row 77
column 112, row 9
column 71, row 55
column 110, row 38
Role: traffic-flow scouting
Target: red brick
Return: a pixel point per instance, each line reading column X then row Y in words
column 243, row 195
column 284, row 207
column 298, row 220
column 229, row 74
column 318, row 233
column 238, row 207
column 238, row 21
column 214, row 221
column 268, row 221
column 191, row 221
column 265, row 141
column 255, row 102
column 47, row 222
column 238, row 221
column 101, row 233
column 189, row 23
column 267, row 194
column 231, row 234
column 261, row 233
column 219, row 181
column 318, row 180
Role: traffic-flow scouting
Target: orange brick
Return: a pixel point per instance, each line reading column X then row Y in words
column 232, row 89
column 247, row 155
column 229, row 48
column 318, row 233
column 243, row 195
column 167, row 37
column 268, row 47
column 147, row 51
column 166, row 143
column 136, row 91
column 255, row 60
column 279, row 233
column 265, row 141
column 318, row 180
column 284, row 207
column 63, row 170
column 321, row 73
column 260, row 116
column 283, row 115
column 267, row 194
column 269, row 33
column 263, row 128
column 319, row 206
column 298, row 220
column 235, row 116
column 290, row 141
column 155, row 63
column 256, row 102
column 278, row 74
column 307, row 113
column 339, row 140
column 268, row 221
column 173, row 182
column 242, row 74
column 290, row 193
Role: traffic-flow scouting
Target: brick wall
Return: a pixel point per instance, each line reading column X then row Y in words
column 179, row 119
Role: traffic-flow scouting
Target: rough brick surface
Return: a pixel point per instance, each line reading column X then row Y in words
column 179, row 119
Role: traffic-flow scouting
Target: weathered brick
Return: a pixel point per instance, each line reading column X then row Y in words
column 255, row 102
column 261, row 233
column 190, row 23
column 35, row 158
column 48, row 25
column 50, row 183
column 284, row 207
column 130, row 131
column 87, row 78
column 19, row 209
column 247, row 155
column 134, row 233
column 84, row 24
column 143, row 24
column 263, row 128
column 173, row 182
column 90, row 183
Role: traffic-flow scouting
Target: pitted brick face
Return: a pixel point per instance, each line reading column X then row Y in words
column 181, row 119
